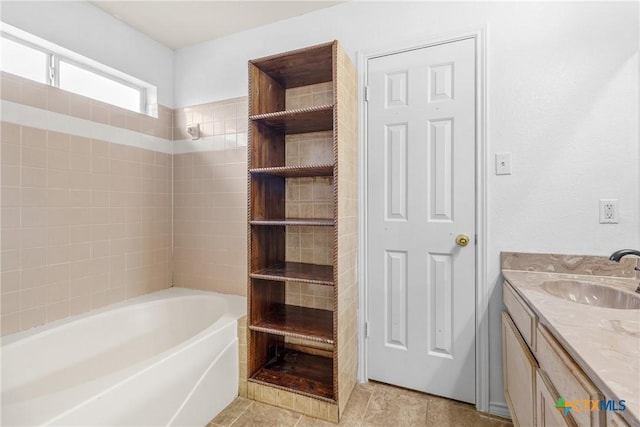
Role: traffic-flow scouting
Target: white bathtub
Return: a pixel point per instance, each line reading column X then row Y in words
column 166, row 358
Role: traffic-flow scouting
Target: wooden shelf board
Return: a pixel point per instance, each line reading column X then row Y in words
column 295, row 171
column 299, row 372
column 301, row 322
column 304, row 120
column 325, row 222
column 297, row 271
column 299, row 67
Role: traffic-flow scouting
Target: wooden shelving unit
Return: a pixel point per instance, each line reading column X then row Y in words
column 295, row 171
column 291, row 122
column 305, row 373
column 296, row 221
column 302, row 220
column 296, row 271
column 300, row 322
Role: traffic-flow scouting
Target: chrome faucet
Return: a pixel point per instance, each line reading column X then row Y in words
column 618, row 255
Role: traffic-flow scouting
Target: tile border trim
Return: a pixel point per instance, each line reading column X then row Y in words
column 25, row 115
column 228, row 141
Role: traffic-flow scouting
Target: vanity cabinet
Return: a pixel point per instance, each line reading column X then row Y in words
column 538, row 371
column 567, row 377
column 547, row 415
column 615, row 420
column 302, row 230
column 519, row 371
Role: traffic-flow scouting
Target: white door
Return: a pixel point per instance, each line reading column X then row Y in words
column 421, row 195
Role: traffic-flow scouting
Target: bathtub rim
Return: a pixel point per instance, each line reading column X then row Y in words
column 236, row 309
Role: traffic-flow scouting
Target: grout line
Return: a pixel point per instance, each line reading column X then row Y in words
column 245, row 410
column 299, row 419
column 366, row 409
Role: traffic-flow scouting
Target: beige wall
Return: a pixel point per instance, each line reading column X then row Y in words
column 210, row 198
column 84, row 222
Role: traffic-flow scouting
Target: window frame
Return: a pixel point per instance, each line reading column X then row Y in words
column 142, row 91
column 52, row 72
column 46, row 71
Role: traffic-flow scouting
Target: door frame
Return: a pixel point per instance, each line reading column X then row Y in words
column 481, row 176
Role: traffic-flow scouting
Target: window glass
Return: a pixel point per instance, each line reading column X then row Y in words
column 24, row 61
column 92, row 85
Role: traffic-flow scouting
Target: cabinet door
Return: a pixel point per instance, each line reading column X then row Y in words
column 615, row 420
column 568, row 379
column 519, row 370
column 546, row 412
column 522, row 316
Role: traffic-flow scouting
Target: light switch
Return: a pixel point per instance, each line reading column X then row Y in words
column 503, row 163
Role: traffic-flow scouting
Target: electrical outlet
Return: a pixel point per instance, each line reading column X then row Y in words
column 608, row 211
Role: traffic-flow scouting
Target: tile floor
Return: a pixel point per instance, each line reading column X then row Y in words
column 371, row 404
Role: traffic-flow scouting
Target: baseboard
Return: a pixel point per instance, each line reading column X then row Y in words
column 499, row 409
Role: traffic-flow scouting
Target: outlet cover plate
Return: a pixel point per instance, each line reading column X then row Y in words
column 503, row 163
column 608, row 211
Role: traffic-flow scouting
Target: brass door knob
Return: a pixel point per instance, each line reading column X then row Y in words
column 462, row 240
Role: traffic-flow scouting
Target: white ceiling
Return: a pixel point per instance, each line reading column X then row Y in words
column 177, row 24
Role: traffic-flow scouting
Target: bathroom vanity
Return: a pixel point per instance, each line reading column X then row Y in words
column 587, row 353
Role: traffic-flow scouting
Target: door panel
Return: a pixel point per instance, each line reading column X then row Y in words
column 421, row 194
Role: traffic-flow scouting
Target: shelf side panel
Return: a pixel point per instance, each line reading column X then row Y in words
column 347, row 225
column 261, row 349
column 266, row 94
column 267, row 197
column 266, row 145
column 267, row 245
column 267, row 296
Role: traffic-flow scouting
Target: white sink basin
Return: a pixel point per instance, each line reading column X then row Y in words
column 590, row 293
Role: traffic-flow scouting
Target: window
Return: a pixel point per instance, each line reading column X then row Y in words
column 48, row 67
column 93, row 85
column 23, row 60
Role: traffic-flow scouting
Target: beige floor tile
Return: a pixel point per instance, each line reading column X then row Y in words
column 392, row 406
column 443, row 412
column 314, row 422
column 370, row 404
column 353, row 412
column 357, row 406
column 232, row 412
column 263, row 415
column 396, row 389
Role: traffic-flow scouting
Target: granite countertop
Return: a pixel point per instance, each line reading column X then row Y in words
column 604, row 342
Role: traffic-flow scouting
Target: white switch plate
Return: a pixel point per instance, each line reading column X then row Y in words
column 608, row 211
column 503, row 163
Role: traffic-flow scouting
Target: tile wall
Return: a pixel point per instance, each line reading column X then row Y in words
column 226, row 117
column 45, row 97
column 84, row 223
column 210, row 198
column 347, row 116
